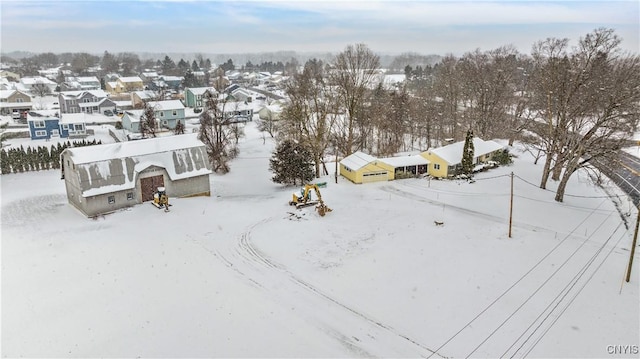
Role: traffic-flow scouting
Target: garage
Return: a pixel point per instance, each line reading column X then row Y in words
column 375, row 176
column 360, row 167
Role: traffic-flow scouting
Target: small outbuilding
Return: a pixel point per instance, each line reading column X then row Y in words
column 104, row 178
column 360, row 167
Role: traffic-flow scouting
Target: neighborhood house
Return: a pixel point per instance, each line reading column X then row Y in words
column 44, row 127
column 104, row 178
column 439, row 162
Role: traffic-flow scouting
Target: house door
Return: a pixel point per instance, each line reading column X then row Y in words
column 149, row 185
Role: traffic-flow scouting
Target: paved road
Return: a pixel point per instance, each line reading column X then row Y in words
column 625, row 173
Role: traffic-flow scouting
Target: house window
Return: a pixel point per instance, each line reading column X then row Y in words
column 38, row 124
column 129, row 196
column 41, row 133
column 112, row 199
column 65, row 127
column 175, row 112
column 19, row 100
column 79, row 127
column 162, row 114
column 436, row 166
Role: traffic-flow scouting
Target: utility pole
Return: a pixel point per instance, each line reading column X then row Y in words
column 633, row 246
column 511, row 206
column 336, row 165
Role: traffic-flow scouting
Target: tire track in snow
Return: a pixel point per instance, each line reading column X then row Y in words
column 260, row 265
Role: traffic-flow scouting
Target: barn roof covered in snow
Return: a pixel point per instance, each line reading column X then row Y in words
column 115, row 167
column 452, row 153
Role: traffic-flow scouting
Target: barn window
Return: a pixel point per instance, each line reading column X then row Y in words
column 129, row 196
column 112, row 199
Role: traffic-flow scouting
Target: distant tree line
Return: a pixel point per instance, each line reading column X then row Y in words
column 18, row 160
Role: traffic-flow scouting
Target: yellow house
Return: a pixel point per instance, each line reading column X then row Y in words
column 131, row 83
column 360, row 167
column 446, row 160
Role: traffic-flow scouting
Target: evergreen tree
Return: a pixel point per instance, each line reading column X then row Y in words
column 183, row 65
column 5, row 166
column 30, row 165
column 189, row 79
column 291, row 163
column 148, row 121
column 194, row 66
column 468, row 154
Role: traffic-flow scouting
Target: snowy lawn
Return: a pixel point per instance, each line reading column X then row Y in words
column 242, row 274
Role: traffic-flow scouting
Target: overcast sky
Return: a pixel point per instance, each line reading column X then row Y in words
column 427, row 27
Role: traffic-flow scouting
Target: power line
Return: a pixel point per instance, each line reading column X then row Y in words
column 539, row 288
column 516, row 282
column 565, row 290
column 548, row 190
column 573, row 298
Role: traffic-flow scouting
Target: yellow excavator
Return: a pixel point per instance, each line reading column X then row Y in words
column 160, row 199
column 303, row 199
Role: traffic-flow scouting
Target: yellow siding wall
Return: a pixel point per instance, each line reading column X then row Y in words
column 434, row 159
column 376, row 166
column 348, row 174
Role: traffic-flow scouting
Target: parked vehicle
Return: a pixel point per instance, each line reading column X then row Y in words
column 108, row 113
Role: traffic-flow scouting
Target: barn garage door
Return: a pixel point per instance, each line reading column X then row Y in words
column 149, row 186
column 374, row 176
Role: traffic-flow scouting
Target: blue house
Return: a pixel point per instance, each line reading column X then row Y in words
column 44, row 127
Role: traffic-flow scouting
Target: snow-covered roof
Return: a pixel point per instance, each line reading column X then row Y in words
column 201, row 90
column 404, row 161
column 130, row 79
column 36, row 80
column 452, row 153
column 166, row 105
column 357, row 160
column 69, row 118
column 113, row 167
column 4, row 94
column 75, row 94
column 134, row 115
column 145, row 94
column 171, row 78
column 90, row 154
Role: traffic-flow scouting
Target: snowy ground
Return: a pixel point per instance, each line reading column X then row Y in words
column 236, row 275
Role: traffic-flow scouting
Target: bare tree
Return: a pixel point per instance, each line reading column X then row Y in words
column 311, row 114
column 217, row 134
column 353, row 74
column 447, row 88
column 608, row 103
column 40, row 89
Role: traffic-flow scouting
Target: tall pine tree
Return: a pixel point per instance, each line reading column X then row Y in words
column 291, row 163
column 468, row 154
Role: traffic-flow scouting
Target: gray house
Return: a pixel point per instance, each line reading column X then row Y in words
column 92, row 101
column 104, row 178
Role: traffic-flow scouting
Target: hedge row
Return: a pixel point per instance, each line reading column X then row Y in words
column 17, row 160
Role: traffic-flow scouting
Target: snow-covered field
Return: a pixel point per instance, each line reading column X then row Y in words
column 237, row 275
